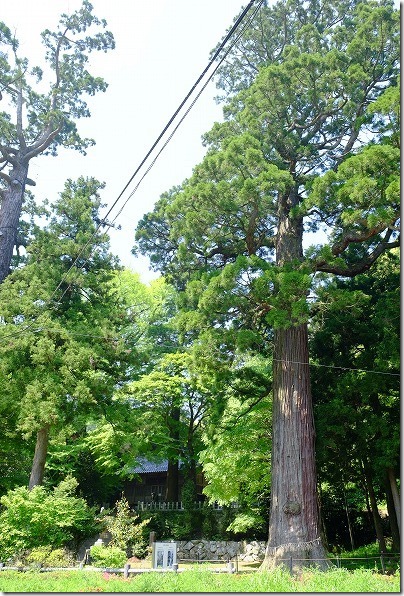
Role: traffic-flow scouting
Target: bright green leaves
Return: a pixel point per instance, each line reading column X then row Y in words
column 235, row 458
column 227, row 208
column 358, row 203
column 363, row 196
column 364, row 189
column 356, row 390
column 167, row 408
column 386, row 115
column 246, row 299
column 40, row 517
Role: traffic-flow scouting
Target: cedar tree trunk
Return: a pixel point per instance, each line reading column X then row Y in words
column 41, row 450
column 172, row 482
column 10, row 213
column 395, row 494
column 294, row 525
column 374, row 508
column 394, row 525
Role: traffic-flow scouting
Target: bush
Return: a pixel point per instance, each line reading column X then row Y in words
column 107, row 556
column 48, row 557
column 127, row 531
column 37, row 517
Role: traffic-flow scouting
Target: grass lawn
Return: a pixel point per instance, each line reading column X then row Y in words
column 199, row 580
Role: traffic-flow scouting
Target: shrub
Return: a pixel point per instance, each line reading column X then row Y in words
column 38, row 517
column 48, row 557
column 107, row 556
column 127, row 531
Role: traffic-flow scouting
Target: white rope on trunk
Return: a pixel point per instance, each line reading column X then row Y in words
column 294, row 545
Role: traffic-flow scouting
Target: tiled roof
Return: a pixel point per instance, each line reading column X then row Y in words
column 144, row 466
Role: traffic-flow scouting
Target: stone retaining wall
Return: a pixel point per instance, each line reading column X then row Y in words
column 208, row 550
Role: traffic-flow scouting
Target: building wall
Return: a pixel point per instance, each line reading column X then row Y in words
column 141, row 490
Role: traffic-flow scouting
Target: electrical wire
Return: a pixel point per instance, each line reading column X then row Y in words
column 190, row 92
column 103, row 221
column 187, row 111
column 376, row 372
column 130, row 342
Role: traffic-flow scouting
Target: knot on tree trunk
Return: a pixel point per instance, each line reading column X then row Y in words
column 292, row 508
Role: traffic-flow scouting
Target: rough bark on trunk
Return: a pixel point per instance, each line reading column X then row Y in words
column 10, row 213
column 394, row 525
column 395, row 494
column 172, row 482
column 294, row 526
column 374, row 509
column 38, row 464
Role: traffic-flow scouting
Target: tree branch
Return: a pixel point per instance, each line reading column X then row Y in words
column 44, row 142
column 354, row 237
column 9, row 180
column 361, row 266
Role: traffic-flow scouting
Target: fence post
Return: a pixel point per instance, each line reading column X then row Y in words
column 382, row 562
column 230, row 567
column 291, row 565
column 126, row 570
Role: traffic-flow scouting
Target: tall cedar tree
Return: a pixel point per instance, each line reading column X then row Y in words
column 300, row 150
column 37, row 122
column 62, row 353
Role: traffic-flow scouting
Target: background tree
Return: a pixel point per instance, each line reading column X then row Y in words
column 40, row 517
column 112, row 441
column 171, row 404
column 357, row 398
column 35, row 122
column 62, row 354
column 299, row 147
column 236, row 461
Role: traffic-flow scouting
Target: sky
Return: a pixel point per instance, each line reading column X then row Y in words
column 162, row 46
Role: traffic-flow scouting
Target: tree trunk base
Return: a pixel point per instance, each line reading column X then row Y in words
column 295, row 557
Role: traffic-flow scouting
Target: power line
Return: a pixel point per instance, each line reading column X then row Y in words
column 103, row 222
column 185, row 115
column 160, row 136
column 376, row 372
column 188, row 95
column 130, row 342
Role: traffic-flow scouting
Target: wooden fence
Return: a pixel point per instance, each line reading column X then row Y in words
column 168, row 506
